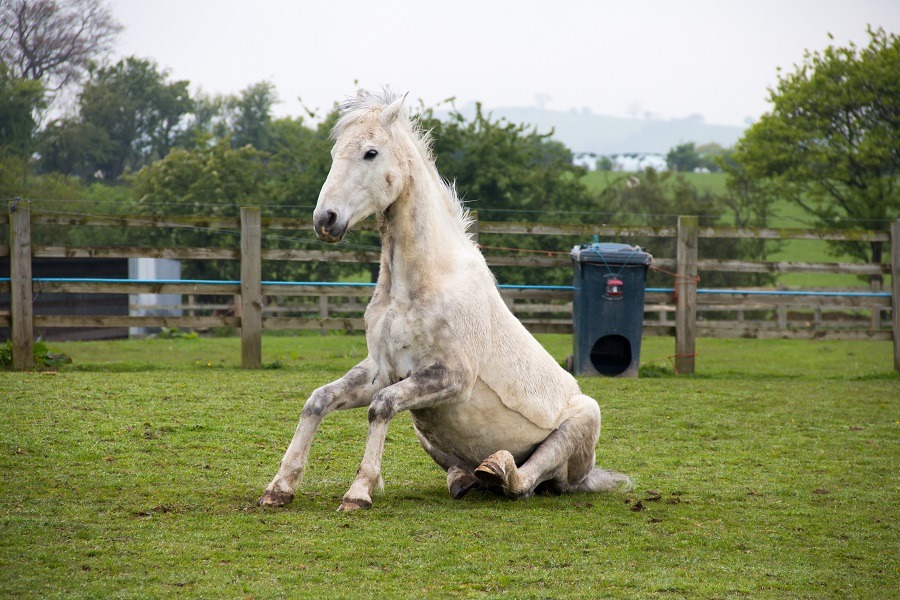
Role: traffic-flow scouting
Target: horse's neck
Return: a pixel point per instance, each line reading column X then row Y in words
column 420, row 234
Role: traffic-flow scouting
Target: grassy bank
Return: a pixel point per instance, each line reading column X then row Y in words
column 134, row 473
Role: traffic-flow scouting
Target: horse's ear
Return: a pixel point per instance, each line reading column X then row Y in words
column 392, row 111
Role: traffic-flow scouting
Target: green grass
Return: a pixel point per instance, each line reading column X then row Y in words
column 713, row 183
column 134, row 473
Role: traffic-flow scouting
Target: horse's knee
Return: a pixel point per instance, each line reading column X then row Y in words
column 588, row 407
column 382, row 407
column 319, row 403
column 587, row 414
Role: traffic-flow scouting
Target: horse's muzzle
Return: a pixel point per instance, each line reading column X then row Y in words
column 328, row 227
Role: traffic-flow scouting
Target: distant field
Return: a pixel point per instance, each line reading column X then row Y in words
column 705, row 182
column 787, row 214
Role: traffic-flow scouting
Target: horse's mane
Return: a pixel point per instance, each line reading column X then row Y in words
column 364, row 106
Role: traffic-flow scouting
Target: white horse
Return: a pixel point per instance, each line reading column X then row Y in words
column 488, row 403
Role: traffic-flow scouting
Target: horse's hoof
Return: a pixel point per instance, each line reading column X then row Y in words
column 459, row 489
column 276, row 498
column 460, row 482
column 354, row 505
column 490, row 472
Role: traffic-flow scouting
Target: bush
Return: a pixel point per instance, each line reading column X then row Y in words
column 43, row 358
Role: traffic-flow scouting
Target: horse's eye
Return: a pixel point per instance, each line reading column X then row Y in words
column 370, row 154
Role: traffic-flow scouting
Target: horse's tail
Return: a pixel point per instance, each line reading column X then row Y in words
column 604, row 480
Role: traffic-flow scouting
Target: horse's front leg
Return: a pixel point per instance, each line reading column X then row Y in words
column 432, row 386
column 353, row 390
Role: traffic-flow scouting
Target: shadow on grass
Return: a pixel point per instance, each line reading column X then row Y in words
column 873, row 377
column 116, row 368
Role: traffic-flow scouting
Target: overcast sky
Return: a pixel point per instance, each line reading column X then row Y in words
column 624, row 58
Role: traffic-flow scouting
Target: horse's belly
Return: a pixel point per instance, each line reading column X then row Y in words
column 473, row 430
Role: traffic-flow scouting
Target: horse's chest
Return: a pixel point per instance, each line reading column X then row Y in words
column 398, row 338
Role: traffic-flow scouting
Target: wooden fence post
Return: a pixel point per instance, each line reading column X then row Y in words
column 251, row 288
column 895, row 290
column 323, row 312
column 781, row 312
column 22, row 310
column 686, row 289
column 875, row 286
column 472, row 229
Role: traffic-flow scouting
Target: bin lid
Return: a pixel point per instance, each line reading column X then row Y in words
column 611, row 254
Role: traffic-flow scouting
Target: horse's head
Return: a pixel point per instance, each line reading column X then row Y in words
column 367, row 171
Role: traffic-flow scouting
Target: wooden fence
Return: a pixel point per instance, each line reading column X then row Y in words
column 679, row 314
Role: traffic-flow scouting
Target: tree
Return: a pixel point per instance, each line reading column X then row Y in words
column 71, row 147
column 19, row 99
column 503, row 168
column 511, row 172
column 831, row 142
column 129, row 116
column 209, row 181
column 251, row 115
column 216, row 180
column 206, row 123
column 657, row 199
column 505, row 171
column 54, row 42
column 245, row 119
column 301, row 159
column 687, row 158
column 140, row 110
column 751, row 203
column 683, row 158
column 711, row 155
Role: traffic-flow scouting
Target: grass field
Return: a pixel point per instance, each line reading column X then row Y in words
column 787, row 214
column 713, row 183
column 134, row 473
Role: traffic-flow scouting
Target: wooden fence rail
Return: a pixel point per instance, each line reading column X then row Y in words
column 541, row 310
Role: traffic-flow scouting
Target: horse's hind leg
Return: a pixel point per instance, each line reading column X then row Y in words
column 460, row 477
column 566, row 458
column 460, row 481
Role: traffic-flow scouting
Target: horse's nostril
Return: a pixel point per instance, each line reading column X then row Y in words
column 328, row 226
